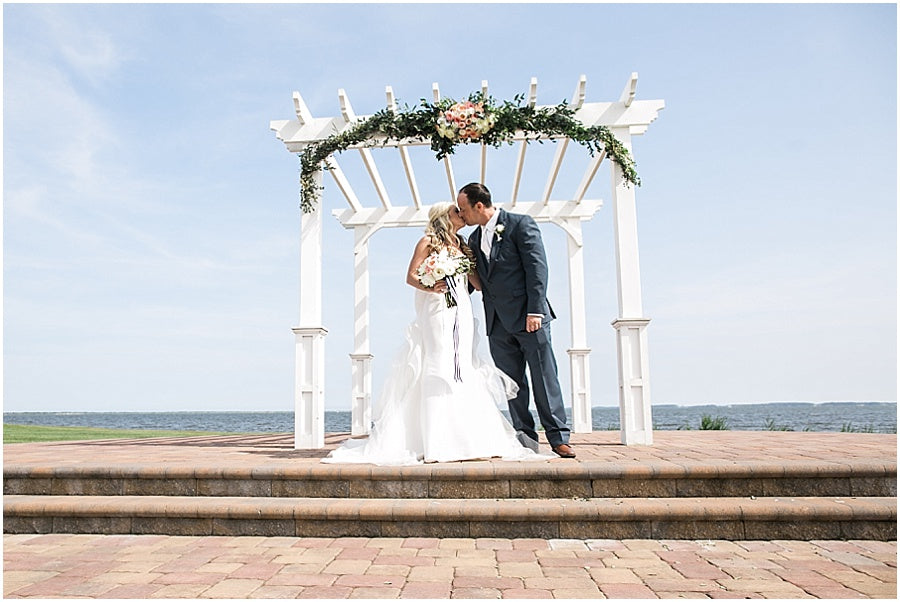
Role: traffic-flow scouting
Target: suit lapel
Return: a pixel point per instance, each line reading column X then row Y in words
column 475, row 246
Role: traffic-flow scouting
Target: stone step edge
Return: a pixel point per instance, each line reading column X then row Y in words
column 595, row 509
column 882, row 486
column 474, row 470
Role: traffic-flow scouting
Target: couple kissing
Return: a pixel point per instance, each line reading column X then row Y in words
column 442, row 398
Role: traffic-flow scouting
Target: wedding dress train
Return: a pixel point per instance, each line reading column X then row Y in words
column 440, row 400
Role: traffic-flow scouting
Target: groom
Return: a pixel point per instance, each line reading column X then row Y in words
column 512, row 267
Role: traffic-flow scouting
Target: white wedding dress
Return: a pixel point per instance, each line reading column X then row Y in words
column 440, row 400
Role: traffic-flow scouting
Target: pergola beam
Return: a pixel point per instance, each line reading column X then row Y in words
column 577, row 101
column 484, row 91
column 410, row 216
column 637, row 117
column 448, row 167
column 343, row 183
column 627, row 96
column 520, row 161
column 368, row 160
column 588, row 176
column 404, row 154
column 301, row 110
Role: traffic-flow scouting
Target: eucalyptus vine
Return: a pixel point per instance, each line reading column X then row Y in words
column 447, row 124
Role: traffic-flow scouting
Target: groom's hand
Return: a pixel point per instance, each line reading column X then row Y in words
column 533, row 323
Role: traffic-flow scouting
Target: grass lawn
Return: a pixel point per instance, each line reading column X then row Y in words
column 18, row 433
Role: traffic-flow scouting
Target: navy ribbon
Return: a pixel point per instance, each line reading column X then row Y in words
column 451, row 287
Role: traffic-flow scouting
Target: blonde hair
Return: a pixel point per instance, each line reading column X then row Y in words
column 440, row 229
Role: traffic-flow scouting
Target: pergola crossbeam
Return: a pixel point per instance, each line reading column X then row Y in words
column 520, row 161
column 578, row 95
column 301, row 110
column 627, row 96
column 410, row 216
column 589, row 174
column 343, row 183
column 484, row 91
column 577, row 101
column 404, row 154
column 368, row 160
column 554, row 168
column 448, row 167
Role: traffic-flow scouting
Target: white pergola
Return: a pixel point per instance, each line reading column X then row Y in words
column 625, row 117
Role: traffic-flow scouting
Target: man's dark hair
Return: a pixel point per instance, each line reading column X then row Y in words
column 477, row 193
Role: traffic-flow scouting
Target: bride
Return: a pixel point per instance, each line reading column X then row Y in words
column 440, row 400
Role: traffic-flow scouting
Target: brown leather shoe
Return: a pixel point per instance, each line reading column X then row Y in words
column 564, row 451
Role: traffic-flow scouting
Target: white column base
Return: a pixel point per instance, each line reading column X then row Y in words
column 361, row 404
column 309, row 388
column 580, row 371
column 634, row 382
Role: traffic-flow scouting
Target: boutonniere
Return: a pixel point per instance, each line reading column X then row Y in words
column 499, row 230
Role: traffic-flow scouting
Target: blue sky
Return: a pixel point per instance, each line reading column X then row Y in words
column 151, row 217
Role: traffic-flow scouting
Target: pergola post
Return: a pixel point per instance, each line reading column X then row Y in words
column 361, row 358
column 631, row 336
column 579, row 353
column 309, row 385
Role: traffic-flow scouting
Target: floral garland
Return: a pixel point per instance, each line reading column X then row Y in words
column 448, row 123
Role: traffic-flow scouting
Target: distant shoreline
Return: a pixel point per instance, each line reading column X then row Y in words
column 871, row 417
column 330, row 409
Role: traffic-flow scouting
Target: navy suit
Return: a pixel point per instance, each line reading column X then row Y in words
column 513, row 285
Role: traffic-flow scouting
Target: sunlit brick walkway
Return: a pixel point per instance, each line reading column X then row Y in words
column 678, row 451
column 151, row 566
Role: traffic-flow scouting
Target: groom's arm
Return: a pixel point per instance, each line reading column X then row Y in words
column 534, row 263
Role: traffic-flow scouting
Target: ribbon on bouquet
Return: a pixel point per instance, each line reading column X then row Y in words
column 453, row 292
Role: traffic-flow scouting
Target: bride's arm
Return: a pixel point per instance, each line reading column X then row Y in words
column 423, row 248
column 474, row 280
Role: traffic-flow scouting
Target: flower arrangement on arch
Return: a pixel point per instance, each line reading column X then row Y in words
column 465, row 121
column 448, row 123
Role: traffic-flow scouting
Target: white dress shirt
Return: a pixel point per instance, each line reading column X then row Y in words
column 487, row 234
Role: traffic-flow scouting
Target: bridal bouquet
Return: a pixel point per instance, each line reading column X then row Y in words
column 441, row 265
column 465, row 120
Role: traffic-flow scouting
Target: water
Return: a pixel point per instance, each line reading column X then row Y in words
column 876, row 417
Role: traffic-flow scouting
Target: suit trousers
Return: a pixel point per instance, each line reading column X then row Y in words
column 511, row 353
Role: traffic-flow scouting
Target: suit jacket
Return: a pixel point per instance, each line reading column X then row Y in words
column 514, row 280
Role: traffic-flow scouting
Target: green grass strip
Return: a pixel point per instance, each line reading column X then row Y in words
column 19, row 433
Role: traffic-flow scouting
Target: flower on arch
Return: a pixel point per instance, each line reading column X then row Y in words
column 465, row 121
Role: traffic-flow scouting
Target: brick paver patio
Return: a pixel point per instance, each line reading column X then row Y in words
column 151, row 566
column 671, row 452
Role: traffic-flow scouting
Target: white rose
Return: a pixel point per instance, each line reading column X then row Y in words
column 445, row 132
column 427, row 280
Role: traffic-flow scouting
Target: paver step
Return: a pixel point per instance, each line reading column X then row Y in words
column 468, row 480
column 802, row 518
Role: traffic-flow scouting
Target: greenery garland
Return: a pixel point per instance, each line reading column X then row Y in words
column 448, row 123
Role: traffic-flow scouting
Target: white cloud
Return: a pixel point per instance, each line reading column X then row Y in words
column 56, row 135
column 90, row 51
